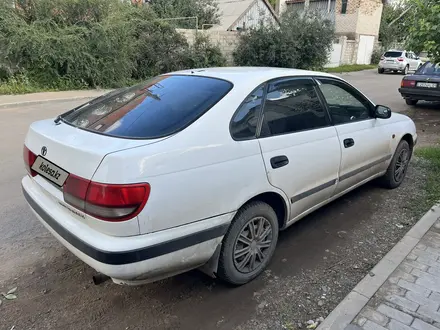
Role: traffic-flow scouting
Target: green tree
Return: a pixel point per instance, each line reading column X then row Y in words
column 67, row 44
column 393, row 14
column 203, row 54
column 302, row 40
column 424, row 29
column 205, row 10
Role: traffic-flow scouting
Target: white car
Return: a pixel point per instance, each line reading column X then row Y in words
column 204, row 167
column 399, row 60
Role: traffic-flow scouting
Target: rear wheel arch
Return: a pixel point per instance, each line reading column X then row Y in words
column 277, row 202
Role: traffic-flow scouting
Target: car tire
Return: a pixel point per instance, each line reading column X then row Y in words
column 411, row 102
column 394, row 177
column 380, row 71
column 405, row 71
column 255, row 223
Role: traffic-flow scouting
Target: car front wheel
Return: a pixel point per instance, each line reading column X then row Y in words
column 396, row 171
column 249, row 244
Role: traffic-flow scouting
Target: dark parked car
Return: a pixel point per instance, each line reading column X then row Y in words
column 424, row 84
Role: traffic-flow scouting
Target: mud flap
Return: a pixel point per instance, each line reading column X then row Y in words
column 210, row 268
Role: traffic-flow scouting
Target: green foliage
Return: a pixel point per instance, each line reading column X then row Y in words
column 376, row 55
column 205, row 10
column 158, row 49
column 203, row 54
column 398, row 31
column 301, row 41
column 20, row 84
column 425, row 26
column 65, row 44
column 432, row 187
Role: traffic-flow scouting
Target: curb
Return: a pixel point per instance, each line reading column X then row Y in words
column 26, row 103
column 352, row 304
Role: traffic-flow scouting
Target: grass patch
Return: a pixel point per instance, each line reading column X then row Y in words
column 22, row 84
column 350, row 68
column 7, row 88
column 432, row 188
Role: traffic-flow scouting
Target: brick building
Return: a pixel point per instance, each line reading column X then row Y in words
column 357, row 20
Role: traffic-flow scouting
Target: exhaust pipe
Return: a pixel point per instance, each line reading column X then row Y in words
column 100, row 278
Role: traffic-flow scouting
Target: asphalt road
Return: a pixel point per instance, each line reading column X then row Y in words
column 55, row 290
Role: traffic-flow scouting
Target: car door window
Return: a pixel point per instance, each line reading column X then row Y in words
column 345, row 104
column 245, row 120
column 292, row 105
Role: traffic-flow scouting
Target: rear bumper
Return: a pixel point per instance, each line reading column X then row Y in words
column 420, row 94
column 145, row 258
column 392, row 66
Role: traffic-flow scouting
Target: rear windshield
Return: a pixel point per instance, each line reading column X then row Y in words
column 162, row 106
column 392, row 54
column 429, row 69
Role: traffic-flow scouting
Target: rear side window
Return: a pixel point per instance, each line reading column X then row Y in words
column 429, row 69
column 162, row 106
column 292, row 105
column 245, row 120
column 392, row 54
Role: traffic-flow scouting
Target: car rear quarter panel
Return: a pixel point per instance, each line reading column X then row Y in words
column 196, row 174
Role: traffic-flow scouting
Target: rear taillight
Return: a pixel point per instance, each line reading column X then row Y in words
column 382, row 58
column 29, row 158
column 110, row 202
column 400, row 59
column 407, row 83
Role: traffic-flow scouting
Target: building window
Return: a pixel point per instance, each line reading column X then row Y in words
column 344, row 6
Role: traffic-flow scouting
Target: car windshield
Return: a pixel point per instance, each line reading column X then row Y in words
column 392, row 54
column 429, row 69
column 160, row 107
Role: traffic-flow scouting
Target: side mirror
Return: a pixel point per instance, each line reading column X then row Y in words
column 382, row 112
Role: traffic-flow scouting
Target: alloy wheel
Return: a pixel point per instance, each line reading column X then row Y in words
column 252, row 245
column 401, row 165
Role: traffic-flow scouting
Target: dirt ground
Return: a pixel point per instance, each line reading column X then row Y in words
column 317, row 262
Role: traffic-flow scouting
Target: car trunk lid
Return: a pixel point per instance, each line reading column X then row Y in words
column 423, row 81
column 72, row 149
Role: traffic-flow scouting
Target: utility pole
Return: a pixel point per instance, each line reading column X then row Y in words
column 401, row 15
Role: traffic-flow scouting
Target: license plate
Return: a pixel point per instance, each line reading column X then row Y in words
column 50, row 171
column 390, row 61
column 427, row 85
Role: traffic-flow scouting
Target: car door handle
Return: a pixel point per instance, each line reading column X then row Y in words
column 279, row 161
column 348, row 143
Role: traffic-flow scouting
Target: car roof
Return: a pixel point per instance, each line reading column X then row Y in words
column 251, row 75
